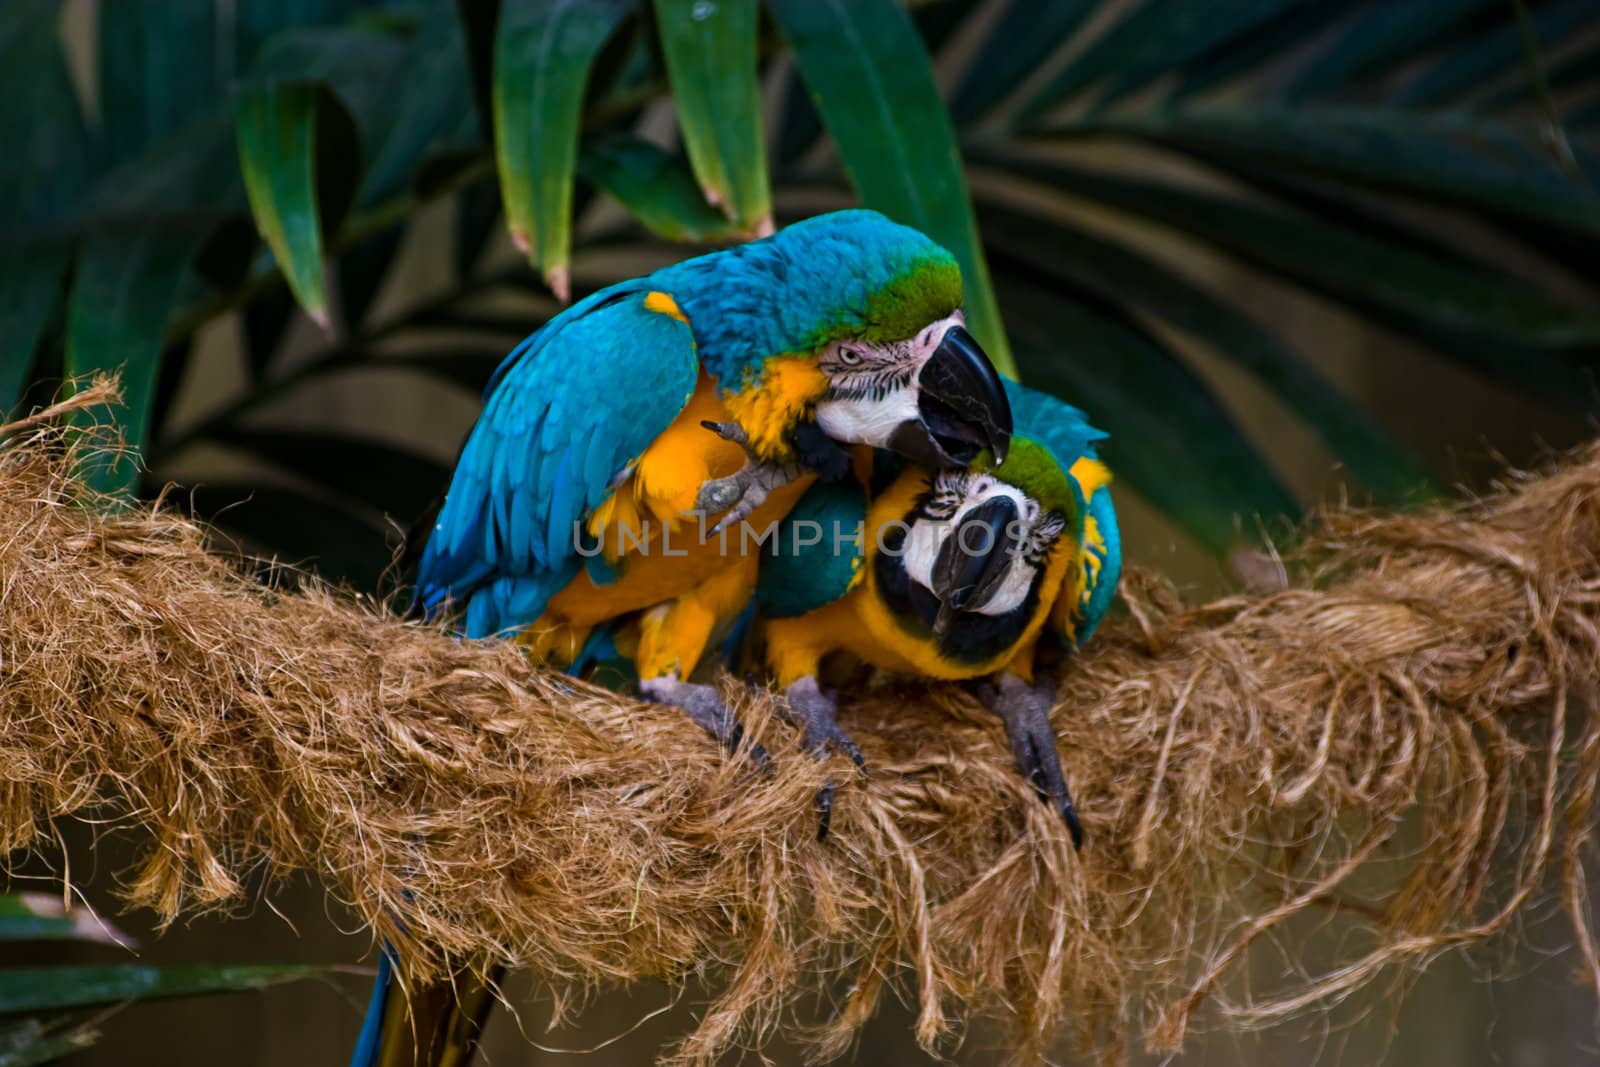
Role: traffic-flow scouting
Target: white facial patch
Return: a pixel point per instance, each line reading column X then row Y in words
column 873, row 387
column 864, row 420
column 1013, row 588
column 927, row 537
column 921, row 548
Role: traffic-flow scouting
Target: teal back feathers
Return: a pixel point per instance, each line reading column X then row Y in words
column 816, row 552
column 1065, row 430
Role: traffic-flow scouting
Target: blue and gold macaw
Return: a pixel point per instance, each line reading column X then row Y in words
column 593, row 453
column 957, row 574
column 724, row 384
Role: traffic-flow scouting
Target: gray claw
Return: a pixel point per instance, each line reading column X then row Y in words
column 740, row 493
column 704, row 705
column 1025, row 710
column 728, row 431
column 754, row 496
column 816, row 711
column 718, row 496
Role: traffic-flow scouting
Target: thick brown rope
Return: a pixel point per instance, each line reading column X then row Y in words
column 1420, row 709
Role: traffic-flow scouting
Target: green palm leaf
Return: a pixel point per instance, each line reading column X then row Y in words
column 29, row 989
column 1171, row 438
column 1051, row 250
column 1478, row 163
column 277, row 145
column 710, row 50
column 1343, row 264
column 872, row 83
column 543, row 52
column 1150, row 41
column 38, row 917
column 31, row 1041
column 30, row 287
column 122, row 298
column 657, row 188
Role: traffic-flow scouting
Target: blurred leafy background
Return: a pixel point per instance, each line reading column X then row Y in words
column 1281, row 249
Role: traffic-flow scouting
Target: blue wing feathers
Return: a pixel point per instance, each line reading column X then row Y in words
column 598, row 469
column 542, row 336
column 573, row 404
column 1104, row 589
column 566, row 506
column 1064, row 429
column 1066, row 432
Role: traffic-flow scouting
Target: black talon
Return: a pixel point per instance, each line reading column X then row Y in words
column 1070, row 815
column 845, row 742
column 824, row 806
column 1040, row 778
column 757, row 752
column 1025, row 710
column 815, row 711
column 728, row 431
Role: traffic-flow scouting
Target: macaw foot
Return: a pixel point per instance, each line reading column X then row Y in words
column 817, row 713
column 705, row 706
column 1026, row 711
column 740, row 493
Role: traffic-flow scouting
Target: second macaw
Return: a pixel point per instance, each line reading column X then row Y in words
column 955, row 574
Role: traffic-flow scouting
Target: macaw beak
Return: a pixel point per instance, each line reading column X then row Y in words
column 961, row 407
column 974, row 558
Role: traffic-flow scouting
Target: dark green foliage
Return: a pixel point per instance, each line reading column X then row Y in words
column 56, row 988
column 872, row 82
column 1351, row 140
column 42, row 1016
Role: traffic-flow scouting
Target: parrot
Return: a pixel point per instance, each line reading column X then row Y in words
column 748, row 370
column 953, row 574
column 725, row 385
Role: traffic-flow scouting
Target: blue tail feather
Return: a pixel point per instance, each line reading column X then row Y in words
column 366, row 1053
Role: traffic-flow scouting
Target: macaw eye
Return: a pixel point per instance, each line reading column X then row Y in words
column 850, row 357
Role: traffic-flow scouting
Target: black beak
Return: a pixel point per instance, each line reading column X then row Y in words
column 973, row 560
column 962, row 407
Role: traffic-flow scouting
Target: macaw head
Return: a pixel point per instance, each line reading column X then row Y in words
column 873, row 310
column 902, row 370
column 933, row 397
column 981, row 540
